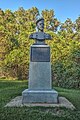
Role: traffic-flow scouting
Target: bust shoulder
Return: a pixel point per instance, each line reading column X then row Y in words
column 40, row 36
column 47, row 36
column 33, row 35
column 37, row 35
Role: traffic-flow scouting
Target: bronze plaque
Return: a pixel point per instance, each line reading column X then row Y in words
column 40, row 54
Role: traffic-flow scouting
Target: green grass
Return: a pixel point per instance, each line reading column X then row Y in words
column 10, row 89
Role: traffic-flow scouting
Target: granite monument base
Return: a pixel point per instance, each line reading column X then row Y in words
column 40, row 83
column 40, row 76
column 39, row 96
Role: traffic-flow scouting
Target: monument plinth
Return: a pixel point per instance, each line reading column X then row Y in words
column 40, row 83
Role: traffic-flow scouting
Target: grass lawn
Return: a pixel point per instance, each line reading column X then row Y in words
column 10, row 89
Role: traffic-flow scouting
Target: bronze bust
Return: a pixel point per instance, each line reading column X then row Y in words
column 40, row 36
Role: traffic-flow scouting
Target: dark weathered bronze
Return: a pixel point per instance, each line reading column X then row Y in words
column 40, row 36
column 40, row 54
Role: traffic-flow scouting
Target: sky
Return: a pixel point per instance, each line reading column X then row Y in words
column 63, row 8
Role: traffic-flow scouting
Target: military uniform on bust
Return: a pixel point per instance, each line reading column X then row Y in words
column 40, row 36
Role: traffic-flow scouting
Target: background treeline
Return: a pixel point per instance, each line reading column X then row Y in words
column 15, row 28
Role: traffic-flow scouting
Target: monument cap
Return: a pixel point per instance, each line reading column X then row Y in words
column 39, row 19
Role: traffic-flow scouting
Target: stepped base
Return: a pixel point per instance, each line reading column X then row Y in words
column 39, row 96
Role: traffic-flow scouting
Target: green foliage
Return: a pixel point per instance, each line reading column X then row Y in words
column 15, row 28
column 66, row 63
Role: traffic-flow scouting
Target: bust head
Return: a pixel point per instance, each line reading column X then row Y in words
column 40, row 24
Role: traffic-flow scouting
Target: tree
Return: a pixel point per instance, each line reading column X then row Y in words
column 15, row 28
column 51, row 23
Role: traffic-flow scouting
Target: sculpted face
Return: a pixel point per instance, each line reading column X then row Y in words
column 40, row 25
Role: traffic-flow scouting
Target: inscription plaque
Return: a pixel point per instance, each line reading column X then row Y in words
column 40, row 54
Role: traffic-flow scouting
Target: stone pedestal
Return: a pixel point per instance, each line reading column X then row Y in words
column 40, row 86
column 40, row 96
